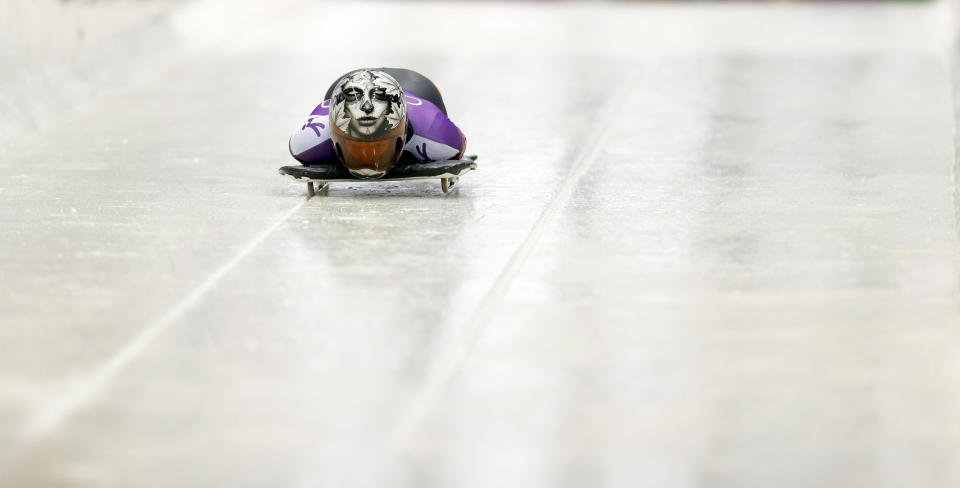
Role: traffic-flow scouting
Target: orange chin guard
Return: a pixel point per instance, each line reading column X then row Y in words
column 366, row 158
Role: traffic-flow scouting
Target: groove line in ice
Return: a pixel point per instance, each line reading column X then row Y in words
column 58, row 411
column 454, row 357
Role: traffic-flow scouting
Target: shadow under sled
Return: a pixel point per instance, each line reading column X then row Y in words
column 448, row 172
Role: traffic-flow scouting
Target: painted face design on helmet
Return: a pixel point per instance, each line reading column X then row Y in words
column 367, row 104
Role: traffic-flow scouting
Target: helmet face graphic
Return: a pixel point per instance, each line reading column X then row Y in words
column 367, row 103
column 368, row 115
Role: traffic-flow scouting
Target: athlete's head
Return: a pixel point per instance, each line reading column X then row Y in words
column 368, row 115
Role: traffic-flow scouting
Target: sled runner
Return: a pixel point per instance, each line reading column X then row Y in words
column 448, row 172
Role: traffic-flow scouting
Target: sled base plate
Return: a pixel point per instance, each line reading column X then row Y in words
column 448, row 172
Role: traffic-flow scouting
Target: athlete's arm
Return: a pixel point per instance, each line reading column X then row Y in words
column 311, row 144
column 435, row 137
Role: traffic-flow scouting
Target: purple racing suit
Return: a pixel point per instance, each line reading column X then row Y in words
column 431, row 135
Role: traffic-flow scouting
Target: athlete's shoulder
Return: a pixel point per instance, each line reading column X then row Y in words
column 429, row 122
column 322, row 109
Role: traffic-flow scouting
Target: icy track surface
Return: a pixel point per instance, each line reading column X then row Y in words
column 706, row 246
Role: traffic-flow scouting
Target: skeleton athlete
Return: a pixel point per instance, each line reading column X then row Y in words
column 373, row 119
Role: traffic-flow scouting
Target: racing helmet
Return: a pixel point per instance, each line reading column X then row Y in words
column 368, row 120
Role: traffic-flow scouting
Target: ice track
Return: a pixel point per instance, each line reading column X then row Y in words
column 705, row 246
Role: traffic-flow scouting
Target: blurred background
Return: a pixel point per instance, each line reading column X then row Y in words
column 708, row 244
